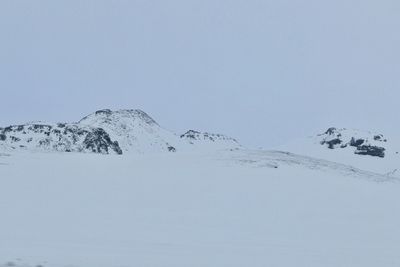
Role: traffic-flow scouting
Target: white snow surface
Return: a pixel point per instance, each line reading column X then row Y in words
column 226, row 208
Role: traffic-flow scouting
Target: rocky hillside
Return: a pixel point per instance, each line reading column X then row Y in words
column 108, row 132
column 58, row 137
column 366, row 150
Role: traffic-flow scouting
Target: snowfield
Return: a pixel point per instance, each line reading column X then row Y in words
column 225, row 208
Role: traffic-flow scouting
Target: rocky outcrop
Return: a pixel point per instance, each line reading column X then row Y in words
column 369, row 150
column 98, row 141
column 362, row 143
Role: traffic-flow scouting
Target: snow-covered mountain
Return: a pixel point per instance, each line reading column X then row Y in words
column 106, row 131
column 362, row 149
column 334, row 205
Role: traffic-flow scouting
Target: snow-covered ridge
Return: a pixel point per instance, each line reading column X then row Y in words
column 204, row 139
column 194, row 136
column 106, row 131
column 60, row 137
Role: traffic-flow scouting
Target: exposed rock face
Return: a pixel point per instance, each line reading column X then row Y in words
column 356, row 142
column 371, row 151
column 332, row 143
column 99, row 141
column 366, row 144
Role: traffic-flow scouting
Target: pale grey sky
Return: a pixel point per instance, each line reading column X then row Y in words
column 259, row 70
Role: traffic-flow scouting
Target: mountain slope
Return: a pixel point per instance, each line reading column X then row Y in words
column 134, row 130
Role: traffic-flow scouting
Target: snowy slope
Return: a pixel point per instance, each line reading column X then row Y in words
column 362, row 149
column 232, row 208
column 134, row 130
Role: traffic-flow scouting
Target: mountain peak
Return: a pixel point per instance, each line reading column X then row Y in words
column 108, row 115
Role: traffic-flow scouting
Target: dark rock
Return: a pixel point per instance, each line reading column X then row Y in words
column 331, row 143
column 7, row 129
column 3, row 137
column 15, row 139
column 117, row 148
column 104, row 111
column 369, row 150
column 42, row 127
column 99, row 141
column 356, row 142
column 171, row 149
column 191, row 134
column 331, row 131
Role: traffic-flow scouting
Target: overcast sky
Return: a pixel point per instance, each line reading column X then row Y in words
column 259, row 70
